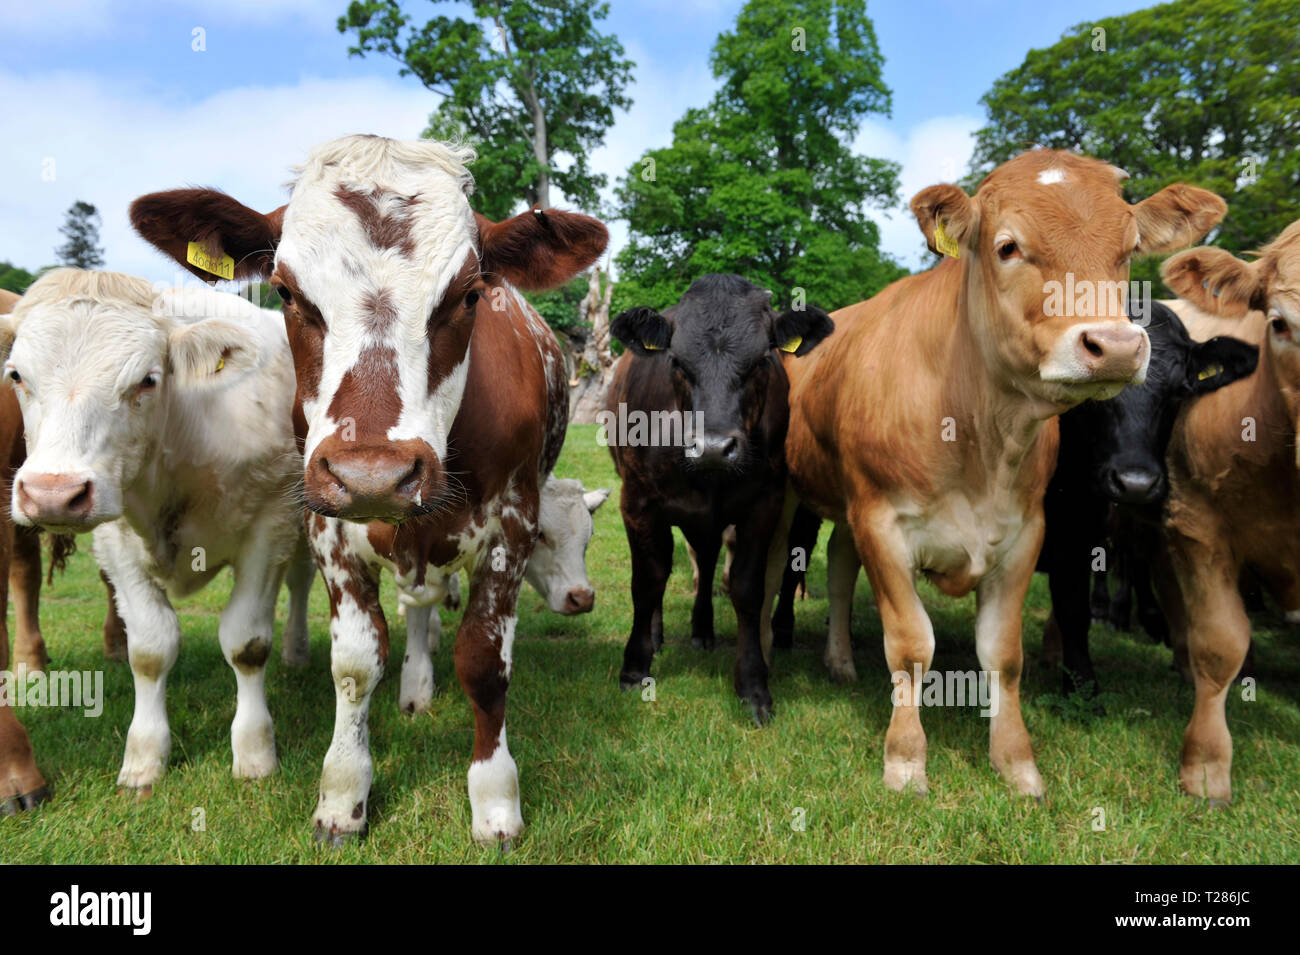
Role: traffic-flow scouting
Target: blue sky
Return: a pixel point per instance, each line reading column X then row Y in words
column 106, row 100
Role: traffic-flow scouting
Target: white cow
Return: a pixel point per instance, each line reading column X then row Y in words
column 557, row 570
column 163, row 421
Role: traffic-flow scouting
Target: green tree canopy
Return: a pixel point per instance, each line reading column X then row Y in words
column 762, row 181
column 532, row 83
column 81, row 230
column 15, row 279
column 1199, row 91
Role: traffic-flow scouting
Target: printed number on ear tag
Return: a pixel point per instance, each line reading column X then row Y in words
column 1209, row 372
column 944, row 242
column 648, row 347
column 792, row 345
column 222, row 266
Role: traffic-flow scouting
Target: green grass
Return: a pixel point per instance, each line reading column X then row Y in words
column 606, row 777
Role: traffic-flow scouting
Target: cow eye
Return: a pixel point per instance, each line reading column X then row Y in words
column 1008, row 250
column 541, row 537
column 1280, row 326
column 16, row 378
column 471, row 299
column 285, row 295
column 149, row 382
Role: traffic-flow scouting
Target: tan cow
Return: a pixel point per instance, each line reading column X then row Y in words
column 923, row 428
column 1234, row 488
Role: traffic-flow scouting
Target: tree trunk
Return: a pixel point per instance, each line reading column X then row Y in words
column 595, row 368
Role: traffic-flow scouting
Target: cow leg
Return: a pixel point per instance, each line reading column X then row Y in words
column 706, row 545
column 842, row 567
column 651, row 541
column 246, row 630
column 803, row 535
column 417, row 663
column 25, row 585
column 1148, row 611
column 21, row 783
column 114, row 625
column 6, row 554
column 1120, row 612
column 747, row 591
column 729, row 546
column 1068, row 586
column 778, row 559
column 695, row 568
column 908, row 639
column 1218, row 638
column 358, row 651
column 296, row 648
column 154, row 637
column 484, row 654
column 1000, row 599
column 1099, row 604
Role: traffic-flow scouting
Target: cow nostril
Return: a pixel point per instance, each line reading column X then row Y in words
column 730, row 447
column 1091, row 347
column 80, row 502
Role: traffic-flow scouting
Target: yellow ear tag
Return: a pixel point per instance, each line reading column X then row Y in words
column 648, row 347
column 221, row 364
column 1209, row 372
column 944, row 242
column 792, row 345
column 222, row 266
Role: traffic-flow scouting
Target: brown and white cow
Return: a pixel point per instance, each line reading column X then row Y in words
column 1234, row 486
column 21, row 783
column 924, row 429
column 433, row 398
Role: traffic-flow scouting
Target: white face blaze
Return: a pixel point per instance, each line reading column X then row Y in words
column 374, row 233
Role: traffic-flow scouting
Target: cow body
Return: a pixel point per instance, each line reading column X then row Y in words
column 179, row 472
column 1112, row 456
column 432, row 399
column 1234, row 488
column 713, row 354
column 924, row 429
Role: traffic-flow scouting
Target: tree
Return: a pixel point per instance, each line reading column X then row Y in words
column 532, row 83
column 1200, row 91
column 15, row 279
column 762, row 181
column 81, row 229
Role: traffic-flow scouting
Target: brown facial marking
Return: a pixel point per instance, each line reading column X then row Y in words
column 368, row 392
column 390, row 230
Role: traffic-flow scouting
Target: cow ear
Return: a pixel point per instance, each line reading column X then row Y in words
column 1176, row 216
column 798, row 331
column 209, row 233
column 1216, row 281
column 210, row 353
column 539, row 249
column 593, row 499
column 1218, row 362
column 7, row 332
column 947, row 217
column 642, row 329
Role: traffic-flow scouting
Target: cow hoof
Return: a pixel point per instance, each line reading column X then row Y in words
column 631, row 681
column 16, row 804
column 138, row 793
column 762, row 713
column 782, row 638
column 703, row 643
column 906, row 777
column 334, row 838
column 1219, row 803
column 842, row 671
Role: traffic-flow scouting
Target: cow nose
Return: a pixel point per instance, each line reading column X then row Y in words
column 713, row 451
column 58, row 499
column 387, row 483
column 1133, row 485
column 1113, row 351
column 579, row 600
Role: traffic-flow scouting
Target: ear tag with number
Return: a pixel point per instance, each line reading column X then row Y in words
column 222, row 266
column 1209, row 372
column 944, row 242
column 792, row 345
column 648, row 347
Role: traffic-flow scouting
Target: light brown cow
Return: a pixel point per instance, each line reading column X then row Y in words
column 1234, row 489
column 923, row 428
column 21, row 784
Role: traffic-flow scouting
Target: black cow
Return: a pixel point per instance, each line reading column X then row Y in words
column 712, row 362
column 1110, row 475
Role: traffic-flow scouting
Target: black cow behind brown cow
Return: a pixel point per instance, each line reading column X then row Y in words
column 707, row 375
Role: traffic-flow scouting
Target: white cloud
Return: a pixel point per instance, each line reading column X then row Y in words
column 110, row 142
column 63, row 18
column 936, row 150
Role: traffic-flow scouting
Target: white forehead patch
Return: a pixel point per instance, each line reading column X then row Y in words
column 1051, row 176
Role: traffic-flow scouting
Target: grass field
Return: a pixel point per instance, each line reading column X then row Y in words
column 607, row 777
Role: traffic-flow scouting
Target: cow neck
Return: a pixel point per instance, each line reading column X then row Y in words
column 1274, row 403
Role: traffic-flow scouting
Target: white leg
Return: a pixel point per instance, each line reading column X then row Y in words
column 297, row 638
column 417, row 666
column 153, row 643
